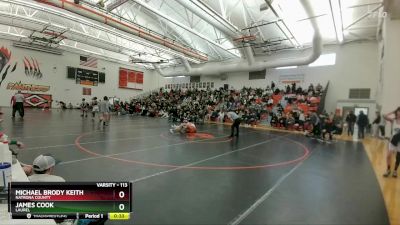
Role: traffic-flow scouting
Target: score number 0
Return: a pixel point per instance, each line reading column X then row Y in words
column 121, row 194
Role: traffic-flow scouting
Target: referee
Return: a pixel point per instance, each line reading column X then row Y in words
column 236, row 122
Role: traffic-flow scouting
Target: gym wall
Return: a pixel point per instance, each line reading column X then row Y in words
column 54, row 74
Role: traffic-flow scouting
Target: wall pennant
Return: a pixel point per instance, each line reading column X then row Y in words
column 5, row 57
column 32, row 68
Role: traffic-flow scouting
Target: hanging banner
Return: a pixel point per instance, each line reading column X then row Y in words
column 37, row 100
column 19, row 86
column 130, row 79
column 86, row 91
column 291, row 78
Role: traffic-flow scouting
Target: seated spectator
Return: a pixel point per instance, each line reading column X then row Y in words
column 290, row 121
column 282, row 108
column 318, row 88
column 43, row 169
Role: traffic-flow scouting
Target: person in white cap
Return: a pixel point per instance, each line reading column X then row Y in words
column 43, row 168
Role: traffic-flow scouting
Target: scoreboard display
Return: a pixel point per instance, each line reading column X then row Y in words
column 87, row 77
column 71, row 200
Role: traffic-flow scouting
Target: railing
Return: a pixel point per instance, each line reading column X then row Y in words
column 321, row 105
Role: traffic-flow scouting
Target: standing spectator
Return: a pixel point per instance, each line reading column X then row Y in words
column 350, row 120
column 13, row 105
column 394, row 146
column 302, row 119
column 104, row 108
column 236, row 122
column 288, row 89
column 382, row 126
column 337, row 123
column 316, row 124
column 311, row 88
column 17, row 102
column 95, row 107
column 375, row 124
column 362, row 123
column 294, row 87
column 84, row 108
column 318, row 88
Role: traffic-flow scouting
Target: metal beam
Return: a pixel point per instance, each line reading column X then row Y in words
column 262, row 24
column 362, row 38
column 252, row 19
column 115, row 4
column 210, row 16
column 363, row 17
column 363, row 27
column 244, row 15
column 365, row 4
column 337, row 20
column 222, row 7
column 230, row 10
column 73, row 20
column 284, row 24
column 194, row 32
column 74, row 32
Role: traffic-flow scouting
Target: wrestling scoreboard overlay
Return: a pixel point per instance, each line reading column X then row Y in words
column 70, row 200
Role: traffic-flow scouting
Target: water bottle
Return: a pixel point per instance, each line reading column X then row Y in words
column 5, row 175
column 5, row 163
column 5, row 153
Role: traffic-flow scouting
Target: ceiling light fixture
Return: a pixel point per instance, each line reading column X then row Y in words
column 286, row 67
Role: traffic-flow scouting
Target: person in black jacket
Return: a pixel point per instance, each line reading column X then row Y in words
column 376, row 123
column 362, row 123
column 350, row 120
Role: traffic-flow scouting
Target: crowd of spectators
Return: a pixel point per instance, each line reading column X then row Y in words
column 287, row 107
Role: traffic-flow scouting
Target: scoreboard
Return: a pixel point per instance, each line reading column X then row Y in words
column 87, row 77
column 70, row 200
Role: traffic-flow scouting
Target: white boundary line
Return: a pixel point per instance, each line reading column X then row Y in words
column 99, row 131
column 238, row 219
column 204, row 160
column 99, row 141
column 75, row 122
column 139, row 150
column 90, row 142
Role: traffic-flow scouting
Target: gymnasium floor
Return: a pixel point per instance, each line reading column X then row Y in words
column 262, row 177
